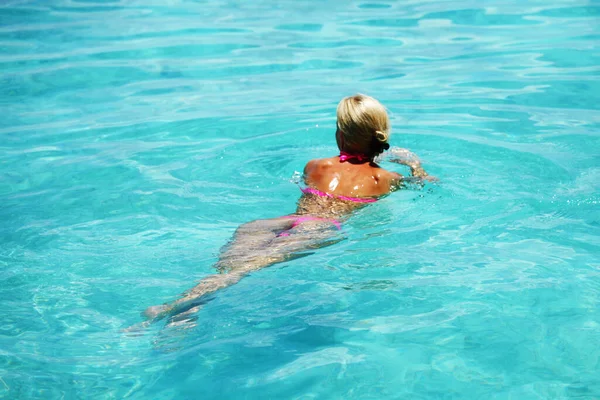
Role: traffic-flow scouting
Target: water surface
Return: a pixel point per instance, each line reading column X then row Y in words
column 137, row 135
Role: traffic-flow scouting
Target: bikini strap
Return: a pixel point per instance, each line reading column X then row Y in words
column 358, row 157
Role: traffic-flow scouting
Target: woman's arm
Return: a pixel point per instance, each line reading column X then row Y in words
column 410, row 159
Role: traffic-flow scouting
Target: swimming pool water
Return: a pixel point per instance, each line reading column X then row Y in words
column 137, row 135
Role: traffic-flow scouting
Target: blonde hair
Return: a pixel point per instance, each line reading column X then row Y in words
column 363, row 125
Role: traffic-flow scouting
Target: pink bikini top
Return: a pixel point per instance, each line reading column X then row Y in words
column 358, row 157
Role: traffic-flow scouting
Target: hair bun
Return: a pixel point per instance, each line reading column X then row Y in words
column 381, row 136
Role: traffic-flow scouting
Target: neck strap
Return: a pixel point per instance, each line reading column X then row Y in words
column 358, row 157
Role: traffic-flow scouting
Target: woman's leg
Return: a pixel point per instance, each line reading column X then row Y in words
column 245, row 250
column 255, row 245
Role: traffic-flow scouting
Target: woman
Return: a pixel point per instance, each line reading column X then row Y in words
column 335, row 187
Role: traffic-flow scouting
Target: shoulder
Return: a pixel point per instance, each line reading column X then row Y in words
column 316, row 170
column 395, row 180
column 388, row 178
column 383, row 173
column 318, row 164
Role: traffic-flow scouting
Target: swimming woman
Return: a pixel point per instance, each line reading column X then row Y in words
column 335, row 187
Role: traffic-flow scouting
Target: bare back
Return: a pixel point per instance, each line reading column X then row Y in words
column 349, row 179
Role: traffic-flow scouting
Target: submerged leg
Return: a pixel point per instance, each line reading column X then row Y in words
column 255, row 245
column 192, row 297
column 249, row 243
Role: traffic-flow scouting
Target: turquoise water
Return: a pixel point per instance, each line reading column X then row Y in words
column 137, row 135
